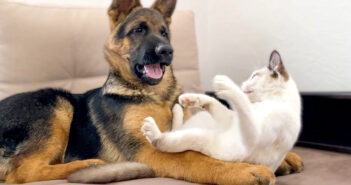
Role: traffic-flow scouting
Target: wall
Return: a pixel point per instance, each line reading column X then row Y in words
column 237, row 36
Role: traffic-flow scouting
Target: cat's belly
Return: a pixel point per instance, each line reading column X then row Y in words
column 228, row 145
column 202, row 120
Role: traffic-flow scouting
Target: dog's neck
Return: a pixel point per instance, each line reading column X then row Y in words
column 166, row 91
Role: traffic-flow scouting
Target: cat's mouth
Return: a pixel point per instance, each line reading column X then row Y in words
column 248, row 92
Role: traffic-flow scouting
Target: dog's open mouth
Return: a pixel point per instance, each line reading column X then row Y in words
column 150, row 73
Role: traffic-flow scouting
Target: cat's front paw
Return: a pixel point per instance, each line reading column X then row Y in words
column 151, row 131
column 224, row 87
column 223, row 83
column 190, row 100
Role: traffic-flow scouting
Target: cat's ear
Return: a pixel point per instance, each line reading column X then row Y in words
column 275, row 61
column 276, row 65
column 119, row 10
column 166, row 8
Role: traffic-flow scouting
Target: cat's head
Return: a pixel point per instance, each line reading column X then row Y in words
column 267, row 82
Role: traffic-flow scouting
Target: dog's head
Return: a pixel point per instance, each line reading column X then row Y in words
column 139, row 47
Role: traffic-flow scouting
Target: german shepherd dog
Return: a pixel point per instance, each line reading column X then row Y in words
column 49, row 134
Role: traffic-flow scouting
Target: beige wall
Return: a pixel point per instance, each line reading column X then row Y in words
column 236, row 37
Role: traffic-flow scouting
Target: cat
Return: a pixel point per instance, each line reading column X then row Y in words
column 262, row 128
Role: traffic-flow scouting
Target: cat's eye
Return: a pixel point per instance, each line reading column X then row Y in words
column 253, row 76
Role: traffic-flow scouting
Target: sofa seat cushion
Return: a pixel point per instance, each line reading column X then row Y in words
column 153, row 181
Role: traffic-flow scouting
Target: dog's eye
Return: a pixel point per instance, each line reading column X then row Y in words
column 164, row 33
column 138, row 30
column 141, row 28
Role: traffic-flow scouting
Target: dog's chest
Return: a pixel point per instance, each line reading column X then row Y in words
column 122, row 138
column 135, row 115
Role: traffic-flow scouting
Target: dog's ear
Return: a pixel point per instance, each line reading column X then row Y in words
column 119, row 10
column 165, row 7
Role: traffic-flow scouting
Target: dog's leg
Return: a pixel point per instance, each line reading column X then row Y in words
column 196, row 167
column 2, row 176
column 41, row 165
column 38, row 169
column 292, row 164
column 218, row 111
column 5, row 167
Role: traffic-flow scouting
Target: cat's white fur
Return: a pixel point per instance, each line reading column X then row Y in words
column 262, row 128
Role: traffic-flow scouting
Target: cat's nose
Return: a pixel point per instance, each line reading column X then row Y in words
column 242, row 86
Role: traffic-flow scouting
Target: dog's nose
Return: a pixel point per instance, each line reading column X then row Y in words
column 164, row 51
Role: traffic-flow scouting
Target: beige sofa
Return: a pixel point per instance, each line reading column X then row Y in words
column 58, row 43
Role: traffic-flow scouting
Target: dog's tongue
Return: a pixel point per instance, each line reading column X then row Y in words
column 153, row 70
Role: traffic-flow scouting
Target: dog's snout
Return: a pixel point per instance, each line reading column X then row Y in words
column 164, row 51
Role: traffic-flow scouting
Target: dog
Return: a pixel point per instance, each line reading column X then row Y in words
column 50, row 133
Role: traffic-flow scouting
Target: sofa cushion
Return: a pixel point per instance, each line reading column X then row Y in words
column 59, row 43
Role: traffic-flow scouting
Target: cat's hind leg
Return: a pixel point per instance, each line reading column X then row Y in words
column 150, row 130
column 218, row 111
column 177, row 141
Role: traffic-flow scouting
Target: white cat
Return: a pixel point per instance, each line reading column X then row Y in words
column 262, row 129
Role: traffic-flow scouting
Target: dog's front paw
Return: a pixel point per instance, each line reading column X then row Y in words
column 150, row 130
column 245, row 174
column 261, row 175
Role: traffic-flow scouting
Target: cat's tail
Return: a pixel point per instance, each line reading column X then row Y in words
column 113, row 172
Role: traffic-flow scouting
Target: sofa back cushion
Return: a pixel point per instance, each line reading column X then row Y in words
column 60, row 44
